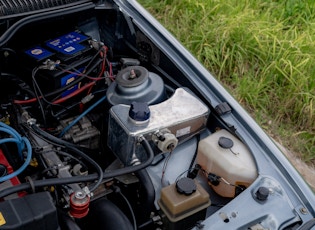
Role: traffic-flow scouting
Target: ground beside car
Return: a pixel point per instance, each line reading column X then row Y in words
column 305, row 170
column 262, row 52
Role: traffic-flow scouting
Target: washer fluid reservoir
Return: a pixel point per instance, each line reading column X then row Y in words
column 224, row 155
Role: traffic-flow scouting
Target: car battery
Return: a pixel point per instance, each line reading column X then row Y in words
column 70, row 52
column 69, row 46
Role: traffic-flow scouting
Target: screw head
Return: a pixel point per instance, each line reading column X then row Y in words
column 303, row 211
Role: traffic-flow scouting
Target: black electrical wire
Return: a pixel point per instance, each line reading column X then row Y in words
column 122, row 171
column 75, row 150
column 72, row 147
column 37, row 96
column 40, row 96
column 59, row 90
column 195, row 154
column 52, row 170
column 59, row 114
column 92, row 162
column 90, row 177
column 22, row 84
column 65, row 154
column 44, row 135
column 165, row 166
column 117, row 190
column 158, row 161
column 95, row 56
column 73, row 83
column 64, row 109
column 145, row 224
column 48, row 182
column 37, row 90
column 87, row 70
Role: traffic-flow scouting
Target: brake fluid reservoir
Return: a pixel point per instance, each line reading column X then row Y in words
column 224, row 155
column 183, row 204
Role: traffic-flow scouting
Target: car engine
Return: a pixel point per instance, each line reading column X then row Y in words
column 100, row 130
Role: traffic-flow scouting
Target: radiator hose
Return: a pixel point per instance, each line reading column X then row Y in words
column 104, row 214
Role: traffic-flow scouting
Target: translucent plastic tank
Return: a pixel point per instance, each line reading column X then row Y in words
column 183, row 210
column 226, row 156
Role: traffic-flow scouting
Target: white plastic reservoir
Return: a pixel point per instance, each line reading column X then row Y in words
column 226, row 156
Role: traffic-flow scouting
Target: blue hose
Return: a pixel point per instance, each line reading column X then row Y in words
column 66, row 129
column 15, row 133
column 21, row 143
column 7, row 129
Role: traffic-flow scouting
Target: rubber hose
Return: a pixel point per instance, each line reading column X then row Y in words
column 74, row 149
column 147, row 202
column 78, row 179
column 106, row 215
column 68, row 222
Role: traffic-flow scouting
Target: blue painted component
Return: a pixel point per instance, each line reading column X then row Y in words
column 68, row 44
column 38, row 53
column 139, row 111
column 67, row 79
column 66, row 129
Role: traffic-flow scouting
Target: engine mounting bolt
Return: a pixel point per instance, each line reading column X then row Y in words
column 303, row 211
column 132, row 74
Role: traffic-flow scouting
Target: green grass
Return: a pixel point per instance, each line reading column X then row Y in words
column 263, row 51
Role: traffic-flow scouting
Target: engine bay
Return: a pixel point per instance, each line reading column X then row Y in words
column 100, row 130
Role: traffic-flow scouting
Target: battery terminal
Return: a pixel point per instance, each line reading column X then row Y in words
column 49, row 64
column 96, row 44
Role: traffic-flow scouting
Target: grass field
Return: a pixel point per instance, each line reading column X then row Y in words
column 263, row 52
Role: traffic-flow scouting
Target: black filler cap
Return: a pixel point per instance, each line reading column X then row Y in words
column 186, row 186
column 225, row 142
column 139, row 111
